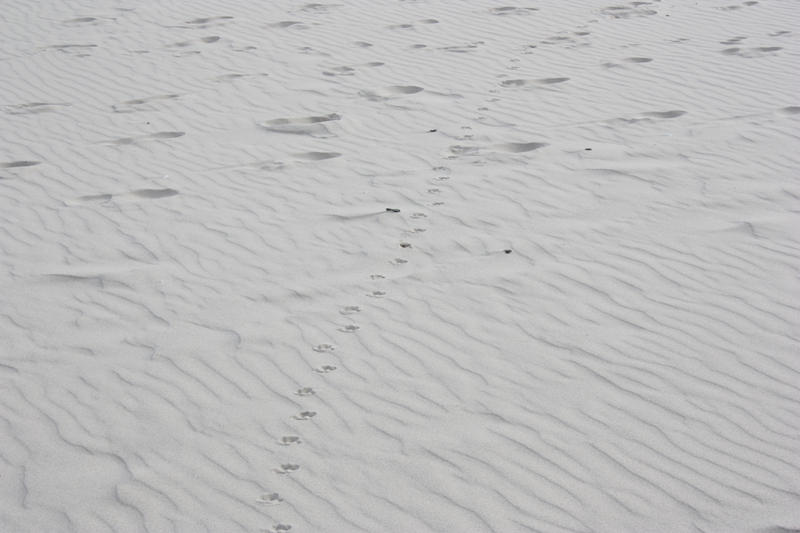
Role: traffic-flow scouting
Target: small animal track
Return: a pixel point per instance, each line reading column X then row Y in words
column 323, row 348
column 287, row 468
column 272, row 498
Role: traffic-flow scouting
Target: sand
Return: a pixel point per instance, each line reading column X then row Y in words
column 579, row 312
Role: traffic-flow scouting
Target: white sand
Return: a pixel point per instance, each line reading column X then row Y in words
column 194, row 230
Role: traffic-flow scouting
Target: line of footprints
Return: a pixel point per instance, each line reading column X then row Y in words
column 288, row 468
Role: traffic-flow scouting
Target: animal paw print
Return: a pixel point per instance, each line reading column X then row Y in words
column 323, row 348
column 287, row 468
column 324, row 369
column 272, row 498
column 290, row 439
column 305, row 415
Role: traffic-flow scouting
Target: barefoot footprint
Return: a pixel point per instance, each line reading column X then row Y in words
column 305, row 415
column 290, row 439
column 305, row 391
column 324, row 369
column 377, row 294
column 350, row 328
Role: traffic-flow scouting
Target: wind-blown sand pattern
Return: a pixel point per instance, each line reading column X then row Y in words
column 393, row 266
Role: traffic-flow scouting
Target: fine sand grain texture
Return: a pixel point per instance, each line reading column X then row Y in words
column 399, row 266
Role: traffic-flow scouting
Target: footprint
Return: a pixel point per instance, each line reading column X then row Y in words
column 398, row 261
column 305, row 391
column 638, row 59
column 350, row 328
column 322, row 348
column 287, row 468
column 290, row 439
column 419, row 215
column 324, row 369
column 791, row 110
column 434, row 191
column 405, row 245
column 19, row 164
column 377, row 276
column 376, row 294
column 272, row 498
column 305, row 415
column 350, row 309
